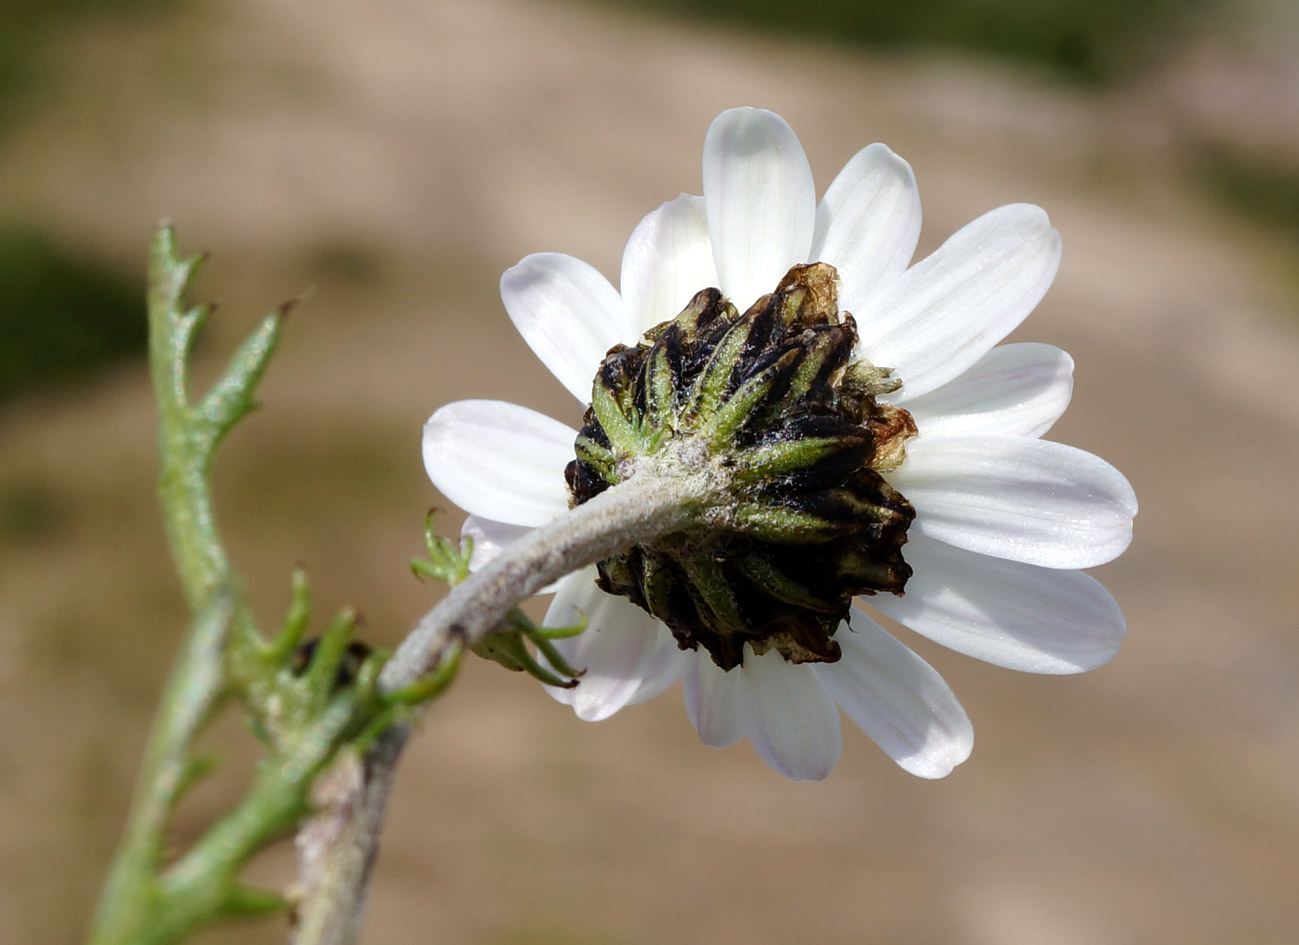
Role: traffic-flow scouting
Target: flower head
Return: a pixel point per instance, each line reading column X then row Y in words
column 875, row 443
column 804, row 520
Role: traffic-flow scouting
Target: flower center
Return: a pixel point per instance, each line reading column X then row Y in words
column 774, row 403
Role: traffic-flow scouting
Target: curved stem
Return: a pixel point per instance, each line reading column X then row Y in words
column 636, row 510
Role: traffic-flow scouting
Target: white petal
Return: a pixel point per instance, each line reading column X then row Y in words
column 1013, row 390
column 489, row 538
column 568, row 314
column 667, row 260
column 665, row 671
column 868, row 222
column 713, row 701
column 897, row 699
column 942, row 314
column 1022, row 499
column 623, row 650
column 499, row 460
column 760, row 201
column 789, row 717
column 1037, row 620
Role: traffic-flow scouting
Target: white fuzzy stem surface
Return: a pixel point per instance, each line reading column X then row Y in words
column 651, row 503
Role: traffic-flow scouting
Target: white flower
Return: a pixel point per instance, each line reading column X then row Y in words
column 1003, row 518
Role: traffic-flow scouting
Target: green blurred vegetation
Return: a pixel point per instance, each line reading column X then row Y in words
column 61, row 315
column 1262, row 189
column 1094, row 41
column 29, row 511
column 26, row 29
column 1265, row 191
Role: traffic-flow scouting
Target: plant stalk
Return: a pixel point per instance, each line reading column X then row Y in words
column 636, row 510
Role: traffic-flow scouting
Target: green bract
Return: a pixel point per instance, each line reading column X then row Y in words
column 774, row 404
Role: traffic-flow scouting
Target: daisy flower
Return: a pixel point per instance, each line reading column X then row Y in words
column 878, row 452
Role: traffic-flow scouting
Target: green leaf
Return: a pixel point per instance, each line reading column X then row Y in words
column 252, row 902
column 231, row 398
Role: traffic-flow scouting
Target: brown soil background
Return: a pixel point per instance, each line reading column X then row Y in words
column 398, row 158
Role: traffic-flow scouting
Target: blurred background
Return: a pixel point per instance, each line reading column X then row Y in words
column 396, row 157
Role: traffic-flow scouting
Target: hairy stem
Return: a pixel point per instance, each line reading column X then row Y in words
column 637, row 510
column 131, row 893
column 145, row 899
